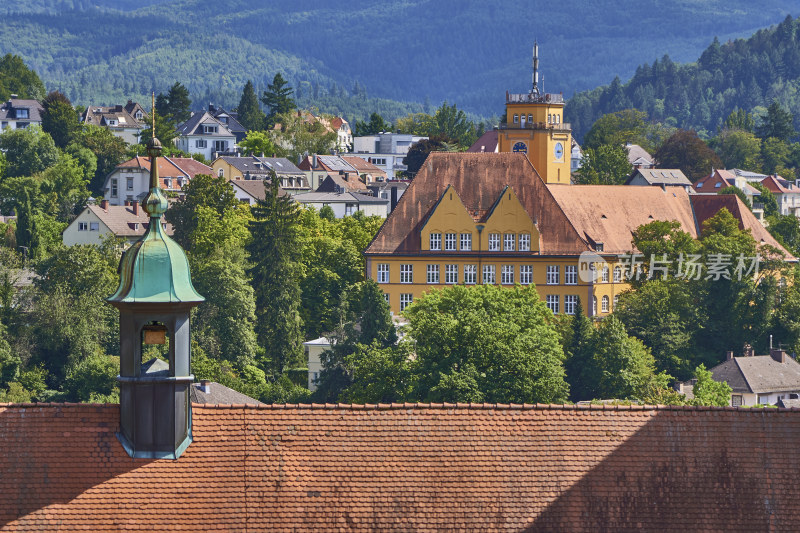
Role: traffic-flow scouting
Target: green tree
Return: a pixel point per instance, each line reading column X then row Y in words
column 628, row 125
column 259, row 142
column 786, row 230
column 93, row 379
column 375, row 125
column 449, row 122
column 606, row 165
column 731, row 189
column 706, row 391
column 738, row 149
column 777, row 123
column 202, row 191
column 108, row 150
column 278, row 99
column 26, row 230
column 28, row 151
column 250, row 114
column 579, row 352
column 688, row 152
column 59, row 119
column 276, row 278
column 767, row 198
column 775, row 156
column 657, row 240
column 741, row 120
column 379, row 374
column 17, row 78
column 176, row 105
column 485, row 343
column 303, row 136
column 418, row 153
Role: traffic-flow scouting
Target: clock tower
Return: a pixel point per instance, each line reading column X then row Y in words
column 535, row 126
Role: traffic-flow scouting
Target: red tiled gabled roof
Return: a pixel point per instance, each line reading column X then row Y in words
column 407, row 467
column 169, row 167
column 775, row 185
column 478, row 178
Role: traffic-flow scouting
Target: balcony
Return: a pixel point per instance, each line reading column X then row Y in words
column 564, row 126
column 529, row 98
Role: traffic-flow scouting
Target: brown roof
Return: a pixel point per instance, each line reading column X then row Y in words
column 610, row 213
column 351, row 183
column 638, row 155
column 778, row 185
column 100, row 115
column 169, row 167
column 407, row 468
column 479, row 179
column 122, row 222
column 363, row 166
column 485, row 143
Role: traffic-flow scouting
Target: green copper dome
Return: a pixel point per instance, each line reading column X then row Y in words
column 155, row 269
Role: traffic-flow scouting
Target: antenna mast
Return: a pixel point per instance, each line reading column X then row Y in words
column 535, row 77
column 153, row 114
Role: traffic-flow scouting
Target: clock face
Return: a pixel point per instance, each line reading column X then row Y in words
column 520, row 147
column 559, row 151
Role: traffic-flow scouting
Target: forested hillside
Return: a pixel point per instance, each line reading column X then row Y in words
column 344, row 53
column 746, row 74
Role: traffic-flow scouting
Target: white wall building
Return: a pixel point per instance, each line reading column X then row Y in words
column 385, row 150
column 345, row 203
column 314, row 351
column 17, row 114
column 206, row 135
column 96, row 222
column 130, row 181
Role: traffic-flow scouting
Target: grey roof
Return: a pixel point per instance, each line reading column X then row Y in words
column 281, row 165
column 335, row 197
column 332, row 181
column 233, row 124
column 759, row 374
column 788, row 403
column 100, row 116
column 638, row 155
column 190, row 127
column 8, row 109
column 219, row 395
column 336, row 163
column 661, row 176
column 746, row 174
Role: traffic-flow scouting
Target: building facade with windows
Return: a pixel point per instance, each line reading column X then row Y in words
column 17, row 113
column 206, row 135
column 472, row 218
column 97, row 222
column 129, row 181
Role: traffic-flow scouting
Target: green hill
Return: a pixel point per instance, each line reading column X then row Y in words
column 745, row 73
column 466, row 51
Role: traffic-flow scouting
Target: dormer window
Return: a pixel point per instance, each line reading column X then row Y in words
column 22, row 112
column 139, row 115
column 210, row 128
column 112, row 122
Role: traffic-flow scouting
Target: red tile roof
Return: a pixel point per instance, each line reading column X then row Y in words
column 169, row 167
column 776, row 185
column 407, row 468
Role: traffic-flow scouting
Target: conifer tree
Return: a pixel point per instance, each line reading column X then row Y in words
column 278, row 98
column 59, row 119
column 276, row 278
column 250, row 114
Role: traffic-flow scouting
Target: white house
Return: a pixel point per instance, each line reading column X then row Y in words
column 130, row 180
column 385, row 150
column 95, row 223
column 19, row 114
column 345, row 203
column 118, row 120
column 314, row 351
column 759, row 379
column 206, row 135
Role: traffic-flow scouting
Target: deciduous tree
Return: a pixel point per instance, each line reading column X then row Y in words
column 688, row 152
column 606, row 165
column 59, row 119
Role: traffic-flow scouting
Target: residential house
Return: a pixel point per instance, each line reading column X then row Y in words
column 661, row 177
column 342, row 183
column 638, row 157
column 213, row 393
column 488, row 142
column 235, row 168
column 344, row 135
column 749, row 175
column 367, row 171
column 130, row 180
column 471, row 218
column 345, row 203
column 390, row 190
column 313, row 350
column 231, row 121
column 96, row 222
column 385, row 150
column 720, row 179
column 19, row 113
column 786, row 193
column 759, row 379
column 203, row 134
column 118, row 120
column 318, row 167
column 576, row 156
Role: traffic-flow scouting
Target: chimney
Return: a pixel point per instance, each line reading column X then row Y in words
column 778, row 355
column 205, row 386
column 314, row 161
column 729, row 355
column 748, row 351
column 394, row 199
column 135, row 208
column 127, row 203
column 104, row 205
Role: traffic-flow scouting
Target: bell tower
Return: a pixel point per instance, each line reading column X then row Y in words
column 535, row 126
column 154, row 298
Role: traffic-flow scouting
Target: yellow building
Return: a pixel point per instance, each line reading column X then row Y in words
column 472, row 218
column 535, row 126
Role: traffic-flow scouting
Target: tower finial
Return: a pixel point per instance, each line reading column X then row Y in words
column 535, row 86
column 153, row 114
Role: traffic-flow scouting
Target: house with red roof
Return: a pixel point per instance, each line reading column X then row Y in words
column 786, row 193
column 96, row 222
column 720, row 179
column 128, row 182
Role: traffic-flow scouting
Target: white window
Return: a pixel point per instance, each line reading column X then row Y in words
column 526, row 274
column 516, row 119
column 594, row 305
column 507, row 274
column 406, row 273
column 83, row 226
column 571, row 275
column 552, row 302
column 488, row 274
column 405, row 301
column 450, row 241
column 617, row 274
column 451, row 274
column 525, row 242
column 616, row 301
column 386, row 298
column 349, row 209
column 509, row 240
column 436, row 241
column 207, row 128
column 530, row 117
column 433, row 273
column 552, row 274
column 129, row 185
column 114, row 189
column 604, row 304
column 221, row 173
column 470, row 274
column 220, row 146
column 570, row 304
column 94, row 226
column 201, row 143
column 466, row 242
column 22, row 113
column 494, row 242
column 383, row 273
column 605, row 274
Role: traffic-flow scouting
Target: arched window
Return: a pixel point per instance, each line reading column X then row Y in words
column 617, row 274
column 616, row 301
column 221, row 173
column 604, row 304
